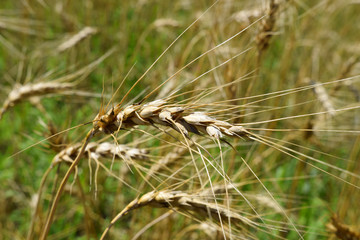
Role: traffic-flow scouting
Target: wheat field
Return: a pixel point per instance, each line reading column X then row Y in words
column 179, row 119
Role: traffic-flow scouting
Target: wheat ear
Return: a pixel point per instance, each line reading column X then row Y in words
column 183, row 202
column 341, row 230
column 75, row 39
column 93, row 150
column 24, row 92
column 96, row 150
column 60, row 85
column 268, row 24
column 156, row 112
column 323, row 97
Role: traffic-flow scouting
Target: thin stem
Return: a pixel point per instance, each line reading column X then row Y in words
column 41, row 189
column 63, row 183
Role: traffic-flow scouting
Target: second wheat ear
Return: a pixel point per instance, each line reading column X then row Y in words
column 23, row 92
column 181, row 201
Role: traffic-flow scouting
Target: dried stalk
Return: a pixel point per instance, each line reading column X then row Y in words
column 61, row 188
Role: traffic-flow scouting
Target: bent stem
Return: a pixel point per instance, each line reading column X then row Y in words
column 33, row 219
column 90, row 134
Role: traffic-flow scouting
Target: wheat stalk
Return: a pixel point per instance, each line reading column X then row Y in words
column 21, row 25
column 345, row 72
column 61, row 188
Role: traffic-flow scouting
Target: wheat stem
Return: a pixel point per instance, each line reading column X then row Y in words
column 45, row 232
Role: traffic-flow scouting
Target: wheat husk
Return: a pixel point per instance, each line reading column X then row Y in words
column 176, row 117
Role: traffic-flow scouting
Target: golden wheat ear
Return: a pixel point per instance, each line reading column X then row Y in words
column 95, row 150
column 24, row 92
column 76, row 38
column 266, row 30
column 62, row 85
column 341, row 230
column 183, row 202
